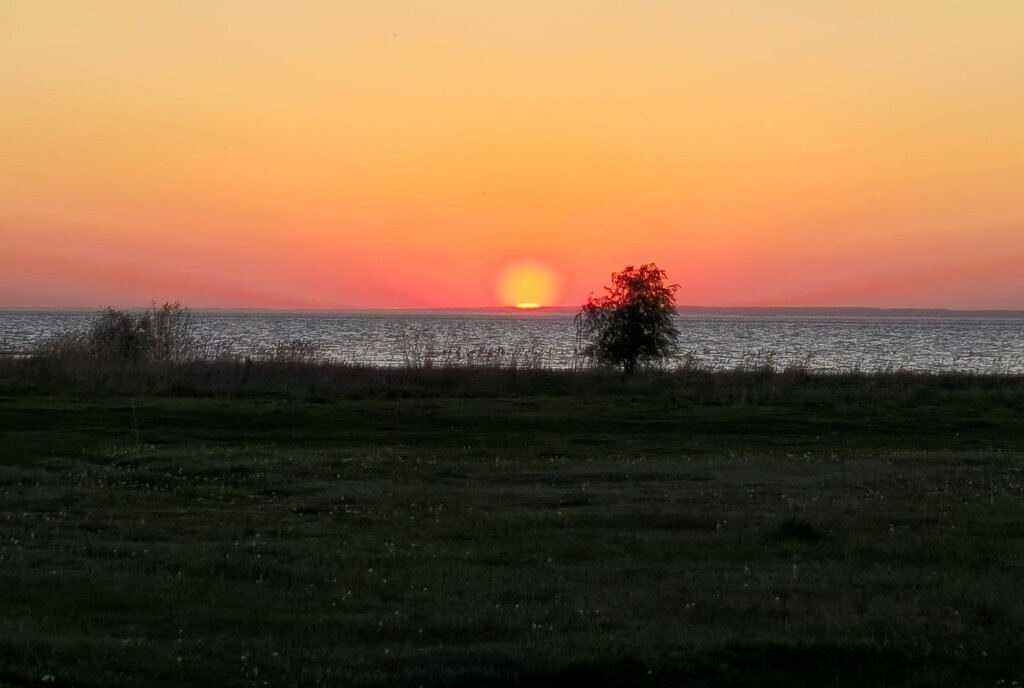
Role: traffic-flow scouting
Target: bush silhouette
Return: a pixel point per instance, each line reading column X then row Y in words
column 160, row 333
column 116, row 335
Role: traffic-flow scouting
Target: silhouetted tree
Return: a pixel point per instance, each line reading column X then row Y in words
column 633, row 323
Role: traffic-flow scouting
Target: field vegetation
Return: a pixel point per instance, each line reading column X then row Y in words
column 288, row 521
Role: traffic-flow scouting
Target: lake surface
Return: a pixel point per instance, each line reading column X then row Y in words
column 716, row 339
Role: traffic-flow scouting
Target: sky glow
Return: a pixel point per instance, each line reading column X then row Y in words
column 275, row 153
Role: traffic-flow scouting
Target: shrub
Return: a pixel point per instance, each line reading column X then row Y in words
column 158, row 334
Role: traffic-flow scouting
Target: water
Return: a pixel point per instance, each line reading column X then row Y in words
column 722, row 339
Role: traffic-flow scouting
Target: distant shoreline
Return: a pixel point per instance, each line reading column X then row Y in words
column 683, row 311
column 811, row 311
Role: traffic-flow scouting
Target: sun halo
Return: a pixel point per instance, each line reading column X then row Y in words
column 527, row 285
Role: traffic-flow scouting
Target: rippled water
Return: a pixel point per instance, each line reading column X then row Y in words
column 722, row 340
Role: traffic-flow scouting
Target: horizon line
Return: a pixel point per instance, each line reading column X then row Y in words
column 528, row 312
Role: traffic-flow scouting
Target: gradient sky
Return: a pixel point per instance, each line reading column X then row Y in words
column 305, row 153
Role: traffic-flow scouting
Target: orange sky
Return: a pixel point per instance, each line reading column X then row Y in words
column 402, row 154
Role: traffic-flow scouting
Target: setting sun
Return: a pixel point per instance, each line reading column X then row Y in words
column 527, row 285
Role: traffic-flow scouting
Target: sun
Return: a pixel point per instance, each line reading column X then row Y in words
column 527, row 285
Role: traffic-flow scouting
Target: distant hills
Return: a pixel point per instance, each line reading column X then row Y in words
column 848, row 312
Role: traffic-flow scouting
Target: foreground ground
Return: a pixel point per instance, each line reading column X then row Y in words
column 616, row 538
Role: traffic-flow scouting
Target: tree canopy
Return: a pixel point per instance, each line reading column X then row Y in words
column 633, row 323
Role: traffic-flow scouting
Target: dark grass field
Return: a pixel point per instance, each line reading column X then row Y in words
column 695, row 532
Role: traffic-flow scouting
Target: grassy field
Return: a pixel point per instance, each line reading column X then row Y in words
column 808, row 532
